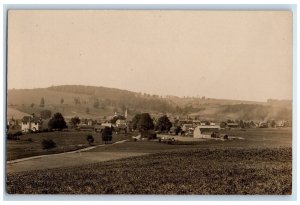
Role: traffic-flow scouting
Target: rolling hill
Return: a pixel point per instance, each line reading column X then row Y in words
column 100, row 102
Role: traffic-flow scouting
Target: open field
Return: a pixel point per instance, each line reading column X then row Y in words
column 264, row 137
column 197, row 171
column 259, row 164
column 65, row 141
column 253, row 138
column 63, row 160
column 73, row 140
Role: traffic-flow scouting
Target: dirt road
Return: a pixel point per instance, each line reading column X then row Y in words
column 74, row 158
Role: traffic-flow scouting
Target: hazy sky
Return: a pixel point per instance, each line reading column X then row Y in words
column 243, row 55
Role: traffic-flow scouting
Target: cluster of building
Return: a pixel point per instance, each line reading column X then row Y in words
column 27, row 124
column 208, row 129
column 33, row 123
column 187, row 126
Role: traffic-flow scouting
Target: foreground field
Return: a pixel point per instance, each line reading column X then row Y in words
column 196, row 171
column 65, row 141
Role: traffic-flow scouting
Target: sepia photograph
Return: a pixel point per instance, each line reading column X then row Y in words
column 149, row 102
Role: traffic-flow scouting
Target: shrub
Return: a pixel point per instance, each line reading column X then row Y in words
column 15, row 136
column 107, row 135
column 48, row 144
column 75, row 121
column 45, row 130
column 19, row 133
column 90, row 139
column 150, row 135
column 10, row 136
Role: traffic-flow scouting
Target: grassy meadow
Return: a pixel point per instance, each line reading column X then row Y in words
column 65, row 141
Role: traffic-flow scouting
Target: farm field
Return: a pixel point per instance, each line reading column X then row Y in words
column 264, row 137
column 253, row 138
column 65, row 141
column 73, row 140
column 259, row 164
column 197, row 171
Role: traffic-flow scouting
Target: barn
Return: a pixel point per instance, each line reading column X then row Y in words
column 206, row 131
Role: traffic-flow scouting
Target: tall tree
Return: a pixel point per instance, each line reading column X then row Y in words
column 57, row 122
column 106, row 134
column 75, row 121
column 145, row 122
column 163, row 124
column 135, row 121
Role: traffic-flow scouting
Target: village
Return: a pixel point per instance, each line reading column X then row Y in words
column 162, row 124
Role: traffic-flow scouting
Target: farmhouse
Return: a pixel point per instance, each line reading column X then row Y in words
column 232, row 125
column 206, row 131
column 121, row 123
column 263, row 125
column 186, row 127
column 89, row 122
column 99, row 128
column 281, row 123
column 203, row 123
column 12, row 122
column 31, row 123
column 196, row 122
column 107, row 124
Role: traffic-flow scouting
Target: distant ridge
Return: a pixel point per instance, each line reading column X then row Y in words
column 103, row 101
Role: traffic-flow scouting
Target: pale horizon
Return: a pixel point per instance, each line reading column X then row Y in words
column 238, row 55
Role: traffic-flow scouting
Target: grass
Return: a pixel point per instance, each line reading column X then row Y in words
column 253, row 138
column 73, row 140
column 196, row 171
column 264, row 137
column 65, row 141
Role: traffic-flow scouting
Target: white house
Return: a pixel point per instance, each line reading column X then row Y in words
column 12, row 122
column 203, row 123
column 121, row 123
column 31, row 123
column 107, row 124
column 90, row 122
column 186, row 127
column 206, row 131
